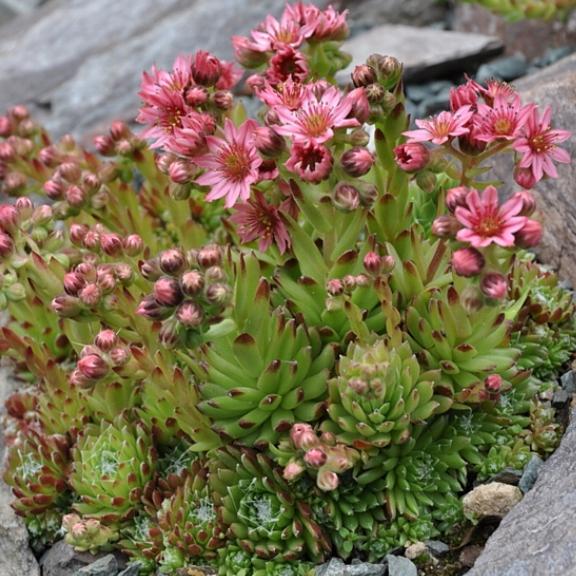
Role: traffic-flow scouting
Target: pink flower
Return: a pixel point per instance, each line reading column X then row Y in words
column 287, row 63
column 538, row 145
column 441, row 128
column 189, row 137
column 465, row 95
column 503, row 121
column 312, row 162
column 329, row 25
column 206, row 68
column 259, row 220
column 289, row 94
column 320, row 113
column 493, row 382
column 411, row 157
column 229, row 75
column 485, row 222
column 247, row 52
column 497, row 89
column 272, row 34
column 231, row 164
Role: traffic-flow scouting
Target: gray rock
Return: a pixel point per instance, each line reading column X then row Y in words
column 507, row 476
column 16, row 558
column 425, row 52
column 560, row 398
column 437, row 547
column 555, row 86
column 6, row 14
column 530, row 474
column 335, row 567
column 400, row 566
column 78, row 64
column 508, row 68
column 131, row 570
column 568, row 381
column 22, row 6
column 538, row 537
column 104, row 566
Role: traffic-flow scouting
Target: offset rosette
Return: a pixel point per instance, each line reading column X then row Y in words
column 264, row 516
column 380, row 391
column 113, row 465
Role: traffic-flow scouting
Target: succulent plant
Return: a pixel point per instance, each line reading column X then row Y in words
column 141, row 540
column 36, row 470
column 379, row 392
column 268, row 374
column 44, row 529
column 189, row 522
column 113, row 464
column 87, row 535
column 265, row 518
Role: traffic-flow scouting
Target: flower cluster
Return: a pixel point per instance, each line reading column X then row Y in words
column 253, row 343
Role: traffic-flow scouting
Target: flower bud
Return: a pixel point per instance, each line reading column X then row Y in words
column 119, row 356
column 196, row 96
column 456, row 197
column 303, row 436
column 209, row 256
column 372, row 262
column 73, row 283
column 75, row 196
column 292, row 471
column 389, row 69
column 25, row 207
column 528, row 202
column 334, row 287
column 268, row 141
column 189, row 314
column 66, row 306
column 357, row 161
column 493, row 382
column 524, row 177
column 6, row 245
column 87, row 270
column 375, row 93
column 93, row 366
column 119, row 130
column 133, row 245
column 6, row 126
column 467, row 262
column 214, row 274
column 363, row 75
column 78, row 380
column 315, row 457
column 149, row 308
column 192, row 282
column 19, row 112
column 494, row 286
column 9, row 217
column 445, row 227
column 91, row 240
column 529, row 235
column 167, row 291
column 346, row 197
column 7, row 151
column 171, row 261
column 104, row 144
column 359, row 137
column 223, row 100
column 106, row 282
column 91, row 181
column 181, row 172
column 111, row 244
column 106, row 340
column 78, row 233
column 70, row 171
column 150, row 269
column 246, row 54
column 327, row 480
column 218, row 293
column 14, row 182
column 412, row 157
column 124, row 273
column 206, row 69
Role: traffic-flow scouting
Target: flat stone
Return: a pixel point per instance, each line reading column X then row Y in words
column 437, row 547
column 538, row 537
column 507, row 476
column 400, row 566
column 335, row 567
column 425, row 52
column 560, row 398
column 16, row 558
column 554, row 86
column 530, row 474
column 487, row 500
column 131, row 570
column 507, row 68
column 78, row 64
column 568, row 381
column 104, row 566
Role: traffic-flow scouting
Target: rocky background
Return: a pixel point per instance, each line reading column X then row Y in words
column 76, row 64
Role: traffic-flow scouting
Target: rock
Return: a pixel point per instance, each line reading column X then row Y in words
column 553, row 86
column 104, row 566
column 78, row 64
column 437, row 547
column 400, row 566
column 16, row 558
column 508, row 68
column 6, row 14
column 530, row 474
column 365, row 14
column 22, row 6
column 507, row 476
column 560, row 399
column 470, row 554
column 538, row 536
column 416, row 550
column 568, row 382
column 131, row 570
column 335, row 567
column 494, row 499
column 530, row 37
column 425, row 52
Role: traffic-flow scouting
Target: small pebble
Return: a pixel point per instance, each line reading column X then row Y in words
column 416, row 550
column 400, row 566
column 494, row 499
column 568, row 382
column 560, row 398
column 470, row 554
column 530, row 474
column 507, row 476
column 437, row 547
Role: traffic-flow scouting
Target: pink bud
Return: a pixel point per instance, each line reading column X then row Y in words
column 87, row 270
column 111, row 244
column 149, row 308
column 123, row 272
column 467, row 262
column 167, row 291
column 25, row 207
column 6, row 245
column 360, row 105
column 346, row 197
column 358, row 385
column 494, row 285
column 268, row 141
column 13, row 182
column 133, row 245
column 73, row 283
column 75, row 196
column 9, row 217
column 192, row 282
column 412, row 157
column 70, row 171
column 7, row 151
column 119, row 130
column 315, row 457
column 196, row 96
column 171, row 261
column 206, row 69
column 456, row 197
column 292, row 471
column 19, row 112
column 334, row 287
column 66, row 306
column 189, row 314
column 246, row 53
column 90, row 295
column 327, row 480
column 181, row 172
column 150, row 269
column 303, row 436
column 524, row 177
column 91, row 240
column 223, row 100
column 209, row 256
column 93, row 366
column 218, row 293
column 528, row 202
column 5, row 126
column 106, row 282
column 363, row 75
column 78, row 233
column 372, row 262
column 42, row 215
column 529, row 235
column 493, row 382
column 119, row 356
column 445, row 227
column 104, row 144
column 357, row 161
column 106, row 340
column 91, row 181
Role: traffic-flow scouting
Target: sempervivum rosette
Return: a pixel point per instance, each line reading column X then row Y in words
column 264, row 516
column 113, row 464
